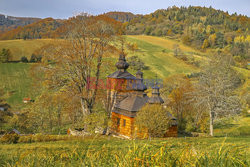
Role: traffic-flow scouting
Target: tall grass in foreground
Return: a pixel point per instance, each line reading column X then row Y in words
column 133, row 154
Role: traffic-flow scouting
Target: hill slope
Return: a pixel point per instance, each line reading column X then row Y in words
column 44, row 28
column 157, row 53
column 9, row 22
column 20, row 48
column 150, row 51
column 16, row 82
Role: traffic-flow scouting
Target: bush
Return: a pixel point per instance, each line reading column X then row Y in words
column 10, row 138
column 153, row 119
column 5, row 55
column 24, row 59
column 33, row 58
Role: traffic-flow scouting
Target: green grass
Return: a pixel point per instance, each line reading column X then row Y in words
column 109, row 151
column 15, row 80
column 161, row 63
column 236, row 128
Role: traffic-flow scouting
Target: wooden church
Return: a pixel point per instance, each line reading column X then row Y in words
column 128, row 95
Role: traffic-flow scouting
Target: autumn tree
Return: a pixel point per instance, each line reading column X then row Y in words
column 136, row 63
column 24, row 59
column 178, row 90
column 5, row 55
column 154, row 119
column 205, row 44
column 5, row 114
column 215, row 89
column 71, row 64
column 51, row 112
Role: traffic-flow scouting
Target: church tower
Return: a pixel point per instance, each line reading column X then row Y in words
column 127, row 94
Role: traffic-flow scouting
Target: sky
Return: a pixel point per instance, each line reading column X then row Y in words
column 67, row 8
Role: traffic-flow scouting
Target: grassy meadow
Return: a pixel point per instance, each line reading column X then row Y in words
column 157, row 54
column 229, row 147
column 20, row 48
column 61, row 150
column 15, row 80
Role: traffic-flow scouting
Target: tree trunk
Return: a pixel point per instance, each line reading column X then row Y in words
column 85, row 109
column 59, row 121
column 211, row 123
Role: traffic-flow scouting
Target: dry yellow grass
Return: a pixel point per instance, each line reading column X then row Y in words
column 20, row 48
column 163, row 42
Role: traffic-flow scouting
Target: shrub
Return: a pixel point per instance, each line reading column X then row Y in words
column 24, row 59
column 153, row 118
column 9, row 138
column 5, row 55
column 33, row 58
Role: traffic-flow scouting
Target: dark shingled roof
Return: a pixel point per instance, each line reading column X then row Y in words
column 122, row 75
column 130, row 114
column 136, row 84
column 132, row 103
column 155, row 100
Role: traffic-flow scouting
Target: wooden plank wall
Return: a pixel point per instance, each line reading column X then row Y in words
column 126, row 130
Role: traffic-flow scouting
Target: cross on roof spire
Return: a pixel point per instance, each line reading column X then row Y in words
column 155, row 84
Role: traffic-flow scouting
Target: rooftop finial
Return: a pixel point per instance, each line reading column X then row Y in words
column 156, row 81
column 122, row 65
column 122, row 46
column 155, row 98
column 139, row 74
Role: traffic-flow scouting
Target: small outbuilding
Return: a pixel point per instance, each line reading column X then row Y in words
column 27, row 100
column 14, row 131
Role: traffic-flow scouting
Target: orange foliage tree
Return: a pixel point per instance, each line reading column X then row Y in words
column 70, row 64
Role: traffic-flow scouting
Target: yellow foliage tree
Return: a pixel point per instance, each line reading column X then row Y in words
column 205, row 44
column 154, row 118
column 212, row 39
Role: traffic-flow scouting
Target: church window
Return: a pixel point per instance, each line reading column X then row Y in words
column 118, row 121
column 124, row 122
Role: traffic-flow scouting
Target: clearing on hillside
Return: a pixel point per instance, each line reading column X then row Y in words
column 160, row 62
column 16, row 82
column 20, row 48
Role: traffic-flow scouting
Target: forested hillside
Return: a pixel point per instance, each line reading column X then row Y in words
column 122, row 16
column 44, row 28
column 200, row 27
column 9, row 22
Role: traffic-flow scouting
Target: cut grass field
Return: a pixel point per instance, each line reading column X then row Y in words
column 150, row 50
column 20, row 48
column 158, row 57
column 15, row 80
column 109, row 151
column 164, row 42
